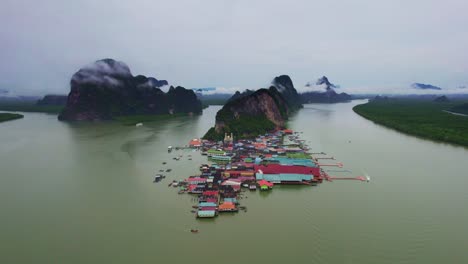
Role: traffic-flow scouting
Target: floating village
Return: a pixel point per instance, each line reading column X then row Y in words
column 259, row 164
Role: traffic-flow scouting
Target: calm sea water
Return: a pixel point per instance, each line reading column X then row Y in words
column 83, row 193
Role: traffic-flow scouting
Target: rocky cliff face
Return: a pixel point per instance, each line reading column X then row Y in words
column 182, row 100
column 285, row 86
column 238, row 94
column 251, row 113
column 107, row 89
column 259, row 112
column 260, row 103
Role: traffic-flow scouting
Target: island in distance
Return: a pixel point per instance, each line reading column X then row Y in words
column 324, row 93
column 106, row 89
column 321, row 91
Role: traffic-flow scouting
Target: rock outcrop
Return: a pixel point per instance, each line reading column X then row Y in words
column 285, row 86
column 251, row 113
column 324, row 92
column 442, row 99
column 107, row 89
column 247, row 116
column 238, row 94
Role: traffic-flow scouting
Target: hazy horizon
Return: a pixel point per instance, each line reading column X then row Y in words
column 364, row 46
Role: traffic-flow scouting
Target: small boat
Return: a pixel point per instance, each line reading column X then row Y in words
column 161, row 170
column 139, row 124
column 245, row 185
column 194, row 230
column 164, row 163
column 158, row 178
column 169, row 185
column 168, row 170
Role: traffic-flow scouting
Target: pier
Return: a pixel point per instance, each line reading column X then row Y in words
column 325, row 158
column 339, row 165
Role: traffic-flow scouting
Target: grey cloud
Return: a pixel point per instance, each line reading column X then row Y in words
column 244, row 43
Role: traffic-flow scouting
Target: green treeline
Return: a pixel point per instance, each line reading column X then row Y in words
column 461, row 109
column 9, row 116
column 30, row 107
column 425, row 119
column 245, row 126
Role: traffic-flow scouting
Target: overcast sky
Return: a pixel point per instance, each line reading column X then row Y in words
column 360, row 44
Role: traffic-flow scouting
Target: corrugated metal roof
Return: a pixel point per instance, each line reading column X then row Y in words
column 207, row 204
column 288, row 161
column 295, row 169
column 276, row 178
column 206, row 213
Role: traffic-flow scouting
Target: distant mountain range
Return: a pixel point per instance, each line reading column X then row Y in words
column 53, row 99
column 324, row 92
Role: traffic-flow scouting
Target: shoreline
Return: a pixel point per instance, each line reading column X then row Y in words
column 436, row 131
column 4, row 117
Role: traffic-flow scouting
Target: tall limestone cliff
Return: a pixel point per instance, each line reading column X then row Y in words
column 252, row 113
column 285, row 86
column 107, row 89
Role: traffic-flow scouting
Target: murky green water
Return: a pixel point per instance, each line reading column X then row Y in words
column 83, row 193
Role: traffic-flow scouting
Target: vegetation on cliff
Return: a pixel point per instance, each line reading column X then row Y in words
column 9, row 116
column 252, row 113
column 424, row 119
column 243, row 127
